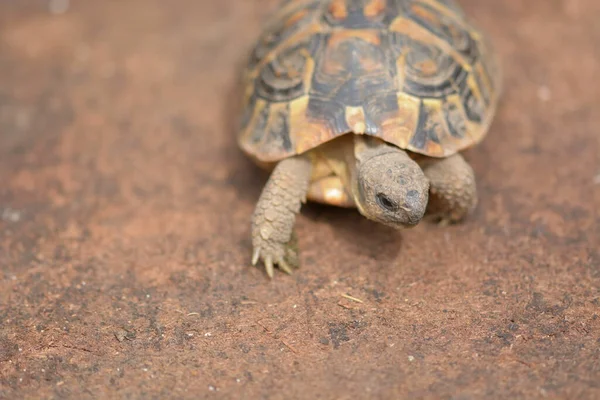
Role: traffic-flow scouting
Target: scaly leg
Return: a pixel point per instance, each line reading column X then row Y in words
column 273, row 220
column 453, row 192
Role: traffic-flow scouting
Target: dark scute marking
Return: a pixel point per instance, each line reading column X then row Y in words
column 459, row 77
column 379, row 109
column 329, row 113
column 473, row 106
column 398, row 44
column 421, row 89
column 259, row 128
column 445, row 28
column 470, row 50
column 355, row 92
column 393, row 10
column 351, row 72
column 391, row 51
column 279, row 130
column 420, row 137
column 455, row 120
column 281, row 31
column 426, row 129
column 283, row 78
column 429, row 72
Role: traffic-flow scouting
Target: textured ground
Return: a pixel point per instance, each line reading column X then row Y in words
column 124, row 233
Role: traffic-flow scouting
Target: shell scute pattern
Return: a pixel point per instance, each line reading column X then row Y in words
column 293, row 18
column 351, row 68
column 283, row 79
column 412, row 72
column 447, row 28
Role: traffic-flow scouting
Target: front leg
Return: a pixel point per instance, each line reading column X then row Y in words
column 275, row 214
column 453, row 192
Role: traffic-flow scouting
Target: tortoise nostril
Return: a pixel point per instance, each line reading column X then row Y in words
column 412, row 198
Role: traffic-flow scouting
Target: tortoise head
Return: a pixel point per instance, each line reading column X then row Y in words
column 390, row 187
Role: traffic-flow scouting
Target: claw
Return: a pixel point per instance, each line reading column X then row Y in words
column 285, row 267
column 255, row 255
column 269, row 266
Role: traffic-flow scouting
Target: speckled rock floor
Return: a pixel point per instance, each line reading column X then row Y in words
column 124, row 224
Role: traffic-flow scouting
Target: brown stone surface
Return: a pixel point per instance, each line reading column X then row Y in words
column 125, row 205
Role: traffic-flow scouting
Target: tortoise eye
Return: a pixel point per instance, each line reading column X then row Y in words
column 386, row 203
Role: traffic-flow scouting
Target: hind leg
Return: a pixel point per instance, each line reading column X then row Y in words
column 453, row 192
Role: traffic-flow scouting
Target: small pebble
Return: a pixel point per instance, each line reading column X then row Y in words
column 10, row 215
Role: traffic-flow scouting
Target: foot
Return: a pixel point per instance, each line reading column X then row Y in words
column 273, row 220
column 452, row 192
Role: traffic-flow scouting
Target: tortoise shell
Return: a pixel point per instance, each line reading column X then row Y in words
column 414, row 73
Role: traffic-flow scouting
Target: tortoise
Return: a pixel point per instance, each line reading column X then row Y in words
column 364, row 104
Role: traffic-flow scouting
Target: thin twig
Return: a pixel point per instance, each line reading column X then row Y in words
column 289, row 347
column 345, row 306
column 347, row 296
column 264, row 327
